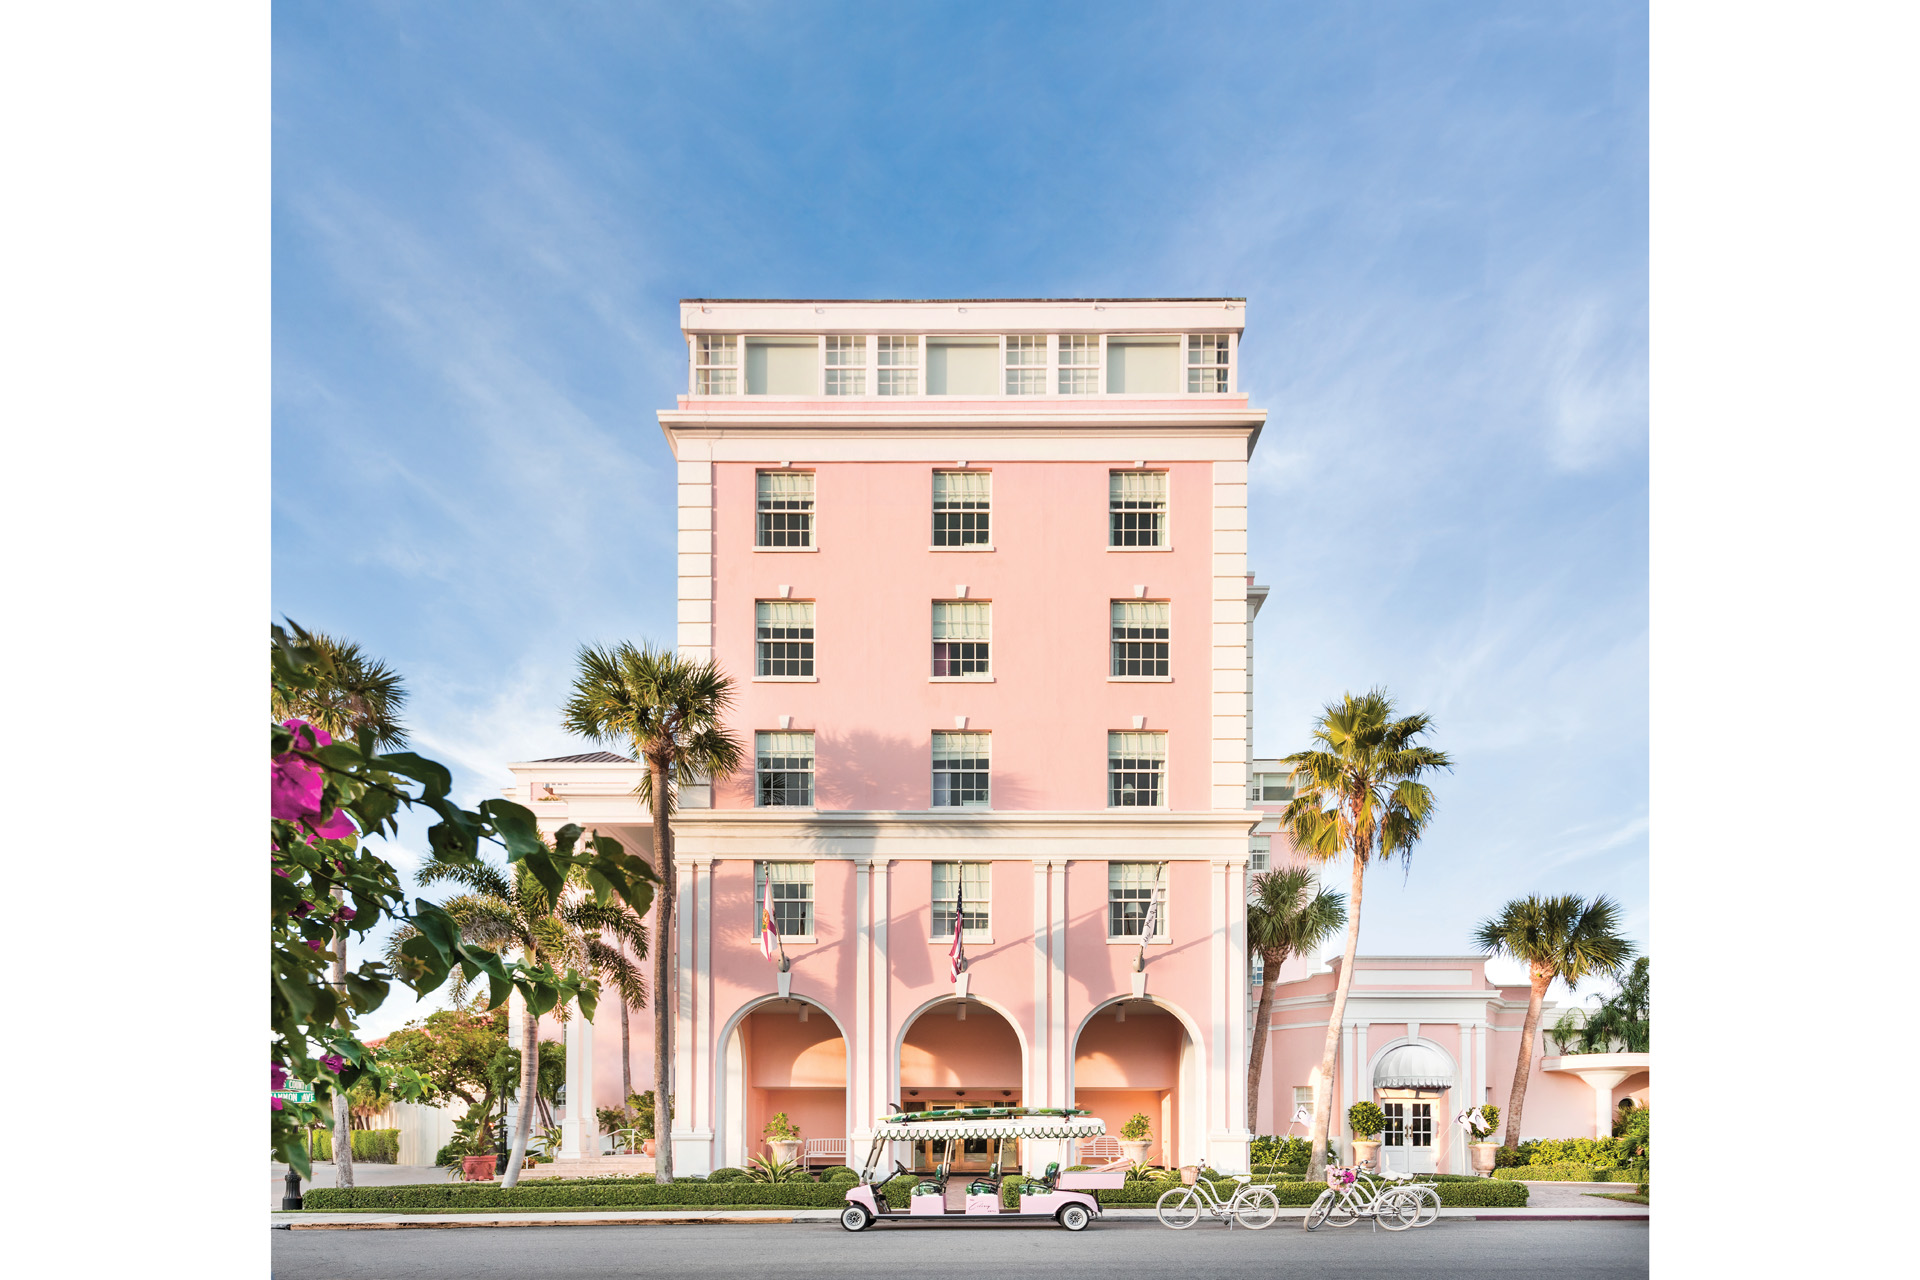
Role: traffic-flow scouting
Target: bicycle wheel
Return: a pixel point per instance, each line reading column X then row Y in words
column 1428, row 1198
column 1317, row 1211
column 1257, row 1209
column 1178, row 1208
column 1395, row 1210
column 1342, row 1212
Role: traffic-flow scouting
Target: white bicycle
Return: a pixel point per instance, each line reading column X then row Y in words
column 1250, row 1206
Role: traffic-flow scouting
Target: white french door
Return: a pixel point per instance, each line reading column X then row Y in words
column 1406, row 1144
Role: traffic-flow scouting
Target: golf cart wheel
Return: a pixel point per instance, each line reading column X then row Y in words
column 855, row 1217
column 1075, row 1217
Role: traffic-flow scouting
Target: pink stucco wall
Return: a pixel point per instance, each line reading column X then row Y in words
column 1051, row 579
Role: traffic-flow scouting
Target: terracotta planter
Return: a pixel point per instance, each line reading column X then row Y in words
column 785, row 1150
column 477, row 1168
column 1364, row 1151
column 646, row 1147
column 1135, row 1152
column 1482, row 1154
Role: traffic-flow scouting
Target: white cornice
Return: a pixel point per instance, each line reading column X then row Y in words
column 1015, row 416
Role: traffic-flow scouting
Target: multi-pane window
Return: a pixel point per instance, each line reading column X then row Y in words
column 783, row 768
column 783, row 637
column 1141, row 637
column 1206, row 362
column 784, row 509
column 792, row 897
column 1137, row 509
column 1026, row 364
column 898, row 359
column 1136, row 770
column 1409, row 1124
column 846, row 364
column 961, row 766
column 962, row 885
column 716, row 365
column 1272, row 788
column 1260, row 853
column 1079, row 363
column 1131, row 887
column 962, row 635
column 962, row 508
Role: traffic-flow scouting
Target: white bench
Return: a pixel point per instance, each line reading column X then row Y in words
column 1104, row 1147
column 832, row 1150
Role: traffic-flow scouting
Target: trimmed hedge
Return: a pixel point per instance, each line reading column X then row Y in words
column 727, row 1173
column 579, row 1193
column 370, row 1146
column 1564, row 1173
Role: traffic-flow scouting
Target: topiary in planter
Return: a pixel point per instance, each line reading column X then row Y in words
column 1366, row 1121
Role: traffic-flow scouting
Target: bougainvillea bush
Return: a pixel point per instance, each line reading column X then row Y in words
column 327, row 797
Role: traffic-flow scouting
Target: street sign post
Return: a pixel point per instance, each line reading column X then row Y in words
column 294, row 1092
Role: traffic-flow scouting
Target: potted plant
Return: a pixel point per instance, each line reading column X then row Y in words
column 1136, row 1135
column 784, row 1137
column 1482, row 1122
column 1366, row 1120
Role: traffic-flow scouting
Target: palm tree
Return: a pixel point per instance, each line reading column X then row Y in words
column 352, row 693
column 1288, row 914
column 1357, row 795
column 1567, row 938
column 1623, row 1019
column 667, row 711
column 511, row 911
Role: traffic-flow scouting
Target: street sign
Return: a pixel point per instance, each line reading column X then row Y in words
column 294, row 1092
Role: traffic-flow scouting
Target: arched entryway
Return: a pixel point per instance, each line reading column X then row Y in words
column 1140, row 1057
column 1413, row 1084
column 960, row 1053
column 781, row 1056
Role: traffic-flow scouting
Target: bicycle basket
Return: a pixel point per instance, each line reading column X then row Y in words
column 1189, row 1173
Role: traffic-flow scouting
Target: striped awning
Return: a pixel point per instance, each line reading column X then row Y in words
column 992, row 1127
column 1412, row 1066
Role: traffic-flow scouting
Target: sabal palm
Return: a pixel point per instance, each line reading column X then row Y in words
column 1288, row 914
column 511, row 911
column 1565, row 937
column 353, row 692
column 1358, row 795
column 1624, row 1018
column 668, row 711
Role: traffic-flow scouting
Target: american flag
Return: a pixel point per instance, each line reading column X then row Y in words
column 769, row 936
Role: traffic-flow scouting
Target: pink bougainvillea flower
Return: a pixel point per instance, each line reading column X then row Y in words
column 279, row 1105
column 345, row 913
column 316, row 944
column 283, row 873
column 279, row 1076
column 303, row 908
column 335, row 828
column 334, row 1061
column 298, row 786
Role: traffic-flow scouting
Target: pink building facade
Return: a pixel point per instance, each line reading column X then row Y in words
column 979, row 572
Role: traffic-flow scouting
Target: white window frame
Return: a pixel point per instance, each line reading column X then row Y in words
column 764, row 495
column 766, row 615
column 1209, row 359
column 963, row 503
column 790, row 873
column 896, row 365
column 1024, row 367
column 1137, row 745
column 1115, row 501
column 781, row 747
column 1116, row 623
column 974, row 876
column 1259, row 854
column 1256, row 789
column 980, row 744
column 844, row 359
column 1079, row 362
column 707, row 370
column 1129, row 874
column 973, row 625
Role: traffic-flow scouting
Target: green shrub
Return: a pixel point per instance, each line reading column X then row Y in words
column 1643, row 1189
column 1563, row 1172
column 1137, row 1128
column 834, row 1170
column 1491, row 1114
column 1366, row 1120
column 577, row 1193
column 727, row 1173
column 1604, row 1153
column 370, row 1146
column 690, row 1177
column 898, row 1190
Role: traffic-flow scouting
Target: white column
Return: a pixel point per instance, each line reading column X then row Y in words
column 705, row 1072
column 580, row 1131
column 865, row 1108
column 884, row 1066
column 682, row 1128
column 1059, row 1034
column 1039, row 1073
column 1219, row 1007
column 1238, row 1025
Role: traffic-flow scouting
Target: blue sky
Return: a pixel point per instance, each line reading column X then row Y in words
column 483, row 216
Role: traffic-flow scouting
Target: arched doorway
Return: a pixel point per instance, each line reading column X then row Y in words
column 960, row 1053
column 782, row 1056
column 1412, row 1083
column 1140, row 1057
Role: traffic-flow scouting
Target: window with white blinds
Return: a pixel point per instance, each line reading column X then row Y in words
column 962, row 765
column 1136, row 770
column 962, row 508
column 962, row 638
column 1137, row 509
column 792, row 897
column 1131, row 889
column 1142, row 638
column 783, row 637
column 783, row 769
column 783, row 503
column 968, row 885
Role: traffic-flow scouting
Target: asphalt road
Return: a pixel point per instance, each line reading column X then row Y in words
column 1566, row 1250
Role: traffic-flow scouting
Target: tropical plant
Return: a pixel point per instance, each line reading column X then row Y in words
column 781, row 1129
column 1366, row 1120
column 1565, row 937
column 1137, row 1128
column 668, row 712
column 1357, row 795
column 452, row 1050
column 559, row 927
column 1288, row 914
column 1568, row 1030
column 768, row 1169
column 1623, row 1022
column 1491, row 1114
column 326, row 794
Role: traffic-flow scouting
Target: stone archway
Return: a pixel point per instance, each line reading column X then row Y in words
column 960, row 1053
column 781, row 1055
column 1140, row 1056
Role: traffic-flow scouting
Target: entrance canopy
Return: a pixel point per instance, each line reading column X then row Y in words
column 992, row 1127
column 1412, row 1066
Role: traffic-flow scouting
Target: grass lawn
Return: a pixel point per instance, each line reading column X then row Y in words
column 1629, row 1198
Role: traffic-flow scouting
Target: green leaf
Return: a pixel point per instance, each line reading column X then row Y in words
column 518, row 829
column 430, row 774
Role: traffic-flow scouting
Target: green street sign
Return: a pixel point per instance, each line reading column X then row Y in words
column 294, row 1092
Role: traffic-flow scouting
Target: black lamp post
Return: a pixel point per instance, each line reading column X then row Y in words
column 292, row 1198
